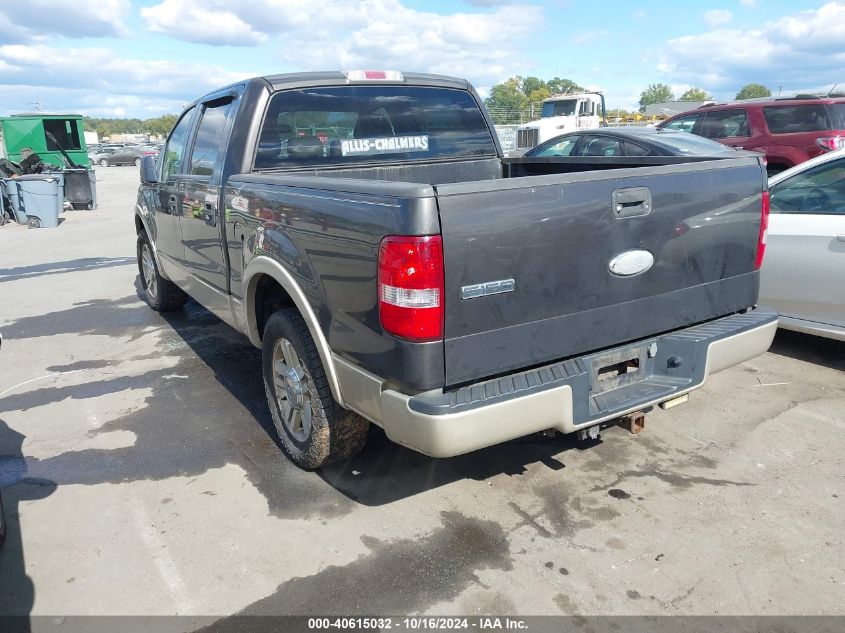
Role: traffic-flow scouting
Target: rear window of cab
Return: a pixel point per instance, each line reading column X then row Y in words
column 370, row 124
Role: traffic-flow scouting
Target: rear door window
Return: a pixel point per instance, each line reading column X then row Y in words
column 632, row 149
column 724, row 124
column 797, row 118
column 210, row 136
column 683, row 124
column 600, row 146
column 370, row 124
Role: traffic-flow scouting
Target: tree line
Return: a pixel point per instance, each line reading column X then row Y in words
column 660, row 93
column 517, row 99
column 158, row 126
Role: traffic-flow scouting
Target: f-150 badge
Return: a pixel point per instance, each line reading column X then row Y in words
column 489, row 288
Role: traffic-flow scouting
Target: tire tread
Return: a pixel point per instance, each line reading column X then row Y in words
column 341, row 433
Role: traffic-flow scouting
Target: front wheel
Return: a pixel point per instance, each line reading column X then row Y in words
column 313, row 428
column 160, row 294
column 104, row 162
column 137, row 162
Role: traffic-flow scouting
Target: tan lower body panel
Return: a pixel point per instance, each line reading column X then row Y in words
column 457, row 433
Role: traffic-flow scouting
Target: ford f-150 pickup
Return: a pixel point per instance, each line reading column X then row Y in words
column 364, row 231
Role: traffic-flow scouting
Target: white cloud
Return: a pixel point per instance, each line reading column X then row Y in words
column 782, row 52
column 717, row 17
column 360, row 33
column 748, row 3
column 25, row 20
column 205, row 23
column 63, row 77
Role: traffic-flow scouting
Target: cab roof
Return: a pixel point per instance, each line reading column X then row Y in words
column 338, row 78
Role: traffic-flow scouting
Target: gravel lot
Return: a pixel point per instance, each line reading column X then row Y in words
column 141, row 476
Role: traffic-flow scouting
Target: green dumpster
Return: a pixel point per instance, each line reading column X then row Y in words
column 36, row 129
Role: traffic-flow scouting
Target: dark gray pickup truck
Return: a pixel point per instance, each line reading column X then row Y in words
column 365, row 232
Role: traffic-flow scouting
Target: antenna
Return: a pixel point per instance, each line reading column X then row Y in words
column 830, row 92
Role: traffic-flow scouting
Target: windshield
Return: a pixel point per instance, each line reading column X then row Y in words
column 689, row 144
column 366, row 124
column 559, row 108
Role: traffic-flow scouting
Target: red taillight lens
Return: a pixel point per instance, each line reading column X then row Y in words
column 764, row 231
column 410, row 287
column 831, row 143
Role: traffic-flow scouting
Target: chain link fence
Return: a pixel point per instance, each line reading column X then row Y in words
column 512, row 116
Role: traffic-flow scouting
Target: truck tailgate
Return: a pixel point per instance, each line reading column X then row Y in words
column 528, row 260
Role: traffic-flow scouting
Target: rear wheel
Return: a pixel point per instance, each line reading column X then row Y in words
column 160, row 294
column 33, row 222
column 313, row 428
column 137, row 162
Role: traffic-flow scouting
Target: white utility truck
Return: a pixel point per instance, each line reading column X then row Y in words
column 562, row 114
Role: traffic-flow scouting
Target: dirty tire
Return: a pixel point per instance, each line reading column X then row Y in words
column 335, row 433
column 160, row 294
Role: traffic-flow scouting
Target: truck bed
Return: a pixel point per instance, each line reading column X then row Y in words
column 554, row 236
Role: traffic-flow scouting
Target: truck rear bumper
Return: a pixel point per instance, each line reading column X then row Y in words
column 565, row 396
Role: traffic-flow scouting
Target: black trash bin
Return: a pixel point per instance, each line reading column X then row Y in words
column 80, row 188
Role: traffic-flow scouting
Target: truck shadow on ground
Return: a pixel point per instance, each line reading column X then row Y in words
column 17, row 592
column 811, row 349
column 383, row 472
column 58, row 268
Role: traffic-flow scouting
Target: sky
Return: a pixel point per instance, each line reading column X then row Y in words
column 117, row 58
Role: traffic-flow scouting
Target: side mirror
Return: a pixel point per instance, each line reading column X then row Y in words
column 149, row 175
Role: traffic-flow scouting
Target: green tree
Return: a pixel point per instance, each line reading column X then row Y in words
column 562, row 86
column 158, row 126
column 753, row 91
column 532, row 84
column 536, row 96
column 695, row 94
column 511, row 100
column 655, row 93
column 506, row 101
column 161, row 126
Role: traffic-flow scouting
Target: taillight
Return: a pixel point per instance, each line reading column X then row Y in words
column 764, row 231
column 410, row 287
column 831, row 143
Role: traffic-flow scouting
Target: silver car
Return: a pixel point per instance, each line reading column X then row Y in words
column 803, row 274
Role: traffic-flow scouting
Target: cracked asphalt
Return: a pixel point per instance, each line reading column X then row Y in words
column 140, row 475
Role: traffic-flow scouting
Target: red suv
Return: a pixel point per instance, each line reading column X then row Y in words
column 787, row 130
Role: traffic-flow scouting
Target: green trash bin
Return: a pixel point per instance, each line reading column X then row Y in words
column 42, row 197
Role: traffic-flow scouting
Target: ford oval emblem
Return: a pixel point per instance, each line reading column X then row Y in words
column 630, row 263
